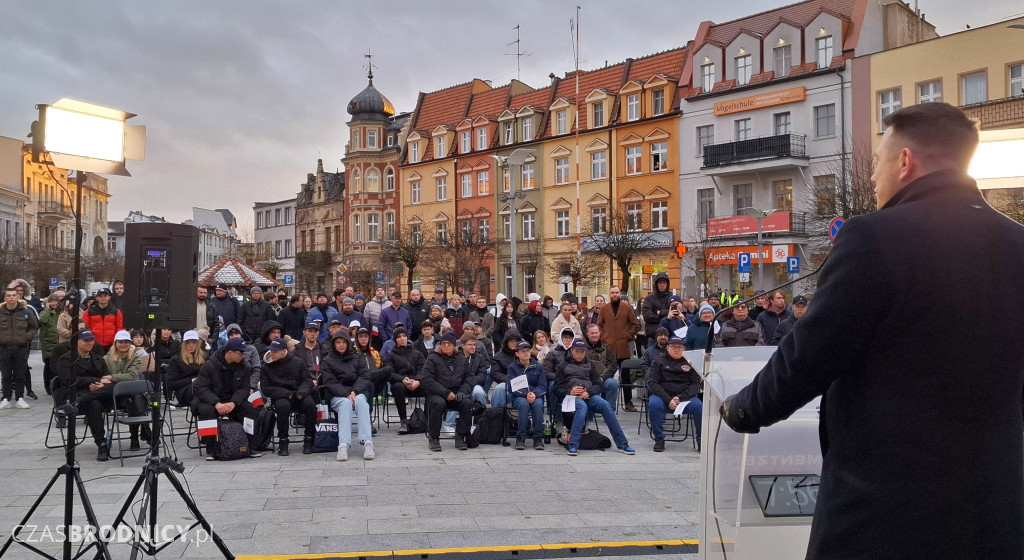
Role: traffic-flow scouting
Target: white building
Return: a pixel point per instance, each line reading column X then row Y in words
column 765, row 124
column 274, row 234
column 115, row 230
column 13, row 198
column 218, row 238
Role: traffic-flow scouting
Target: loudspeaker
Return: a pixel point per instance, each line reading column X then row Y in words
column 161, row 263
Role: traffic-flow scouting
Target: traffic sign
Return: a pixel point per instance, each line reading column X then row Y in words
column 793, row 265
column 396, row 268
column 289, row 280
column 680, row 249
column 833, row 227
column 744, row 277
column 342, row 268
column 648, row 269
column 380, row 277
column 54, row 282
column 743, row 262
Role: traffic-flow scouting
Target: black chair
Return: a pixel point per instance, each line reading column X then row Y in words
column 132, row 407
column 58, row 421
column 630, row 377
column 677, row 428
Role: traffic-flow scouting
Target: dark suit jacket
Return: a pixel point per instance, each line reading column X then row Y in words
column 922, row 412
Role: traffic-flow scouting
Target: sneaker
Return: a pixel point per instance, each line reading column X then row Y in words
column 211, row 458
column 520, row 444
column 368, row 453
column 659, row 445
column 21, row 404
column 30, row 394
column 629, row 407
column 460, row 442
column 434, row 444
column 538, row 444
column 403, row 427
column 446, row 429
column 627, row 450
column 102, row 452
column 342, row 452
column 571, row 451
column 5, row 404
column 253, row 454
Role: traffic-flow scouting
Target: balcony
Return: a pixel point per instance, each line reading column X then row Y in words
column 54, row 210
column 756, row 154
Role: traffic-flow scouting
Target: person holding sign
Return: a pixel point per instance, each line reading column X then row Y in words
column 529, row 384
column 578, row 379
column 674, row 384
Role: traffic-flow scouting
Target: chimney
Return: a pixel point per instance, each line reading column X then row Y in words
column 551, row 76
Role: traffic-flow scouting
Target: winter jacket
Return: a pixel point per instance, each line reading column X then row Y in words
column 263, row 341
column 560, row 322
column 740, row 333
column 783, row 329
column 535, row 377
column 443, row 374
column 227, row 308
column 552, row 312
column 618, row 329
column 769, row 320
column 501, row 326
column 64, row 331
column 311, row 356
column 180, row 374
column 292, row 321
column 650, row 356
column 656, row 303
column 483, row 318
column 418, row 313
column 125, row 369
column 456, row 317
column 405, row 361
column 284, row 378
column 532, row 322
column 103, row 322
column 669, row 378
column 578, row 374
column 324, row 315
column 345, row 373
column 554, row 359
column 673, row 325
column 48, row 337
column 72, row 369
column 347, row 318
column 603, row 358
column 371, row 356
column 167, row 350
column 389, row 319
column 503, row 357
column 372, row 311
column 421, row 347
column 696, row 336
column 251, row 317
column 221, row 382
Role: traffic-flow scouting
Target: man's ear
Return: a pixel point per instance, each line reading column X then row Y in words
column 907, row 163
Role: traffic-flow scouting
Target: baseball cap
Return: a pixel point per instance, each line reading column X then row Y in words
column 438, row 291
column 675, row 340
column 354, row 323
column 578, row 344
column 103, row 292
column 123, row 335
column 335, row 322
column 312, row 325
column 522, row 344
column 363, row 330
column 84, row 334
column 221, row 287
column 277, row 345
column 235, row 345
column 396, row 294
column 189, row 335
column 800, row 300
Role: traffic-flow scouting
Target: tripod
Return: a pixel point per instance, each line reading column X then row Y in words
column 148, row 483
column 72, row 475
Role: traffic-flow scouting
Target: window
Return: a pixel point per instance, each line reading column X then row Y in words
column 508, row 278
column 529, row 226
column 287, row 216
column 707, row 77
column 1017, row 80
column 442, row 234
column 442, row 188
column 888, row 103
column 561, row 171
column 598, row 112
column 529, row 278
column 825, row 194
column 416, row 235
column 414, row 152
column 634, row 217
column 744, row 66
column 783, row 60
column 930, row 92
column 389, row 180
column 742, row 129
column 705, row 137
column 560, row 122
column 825, row 121
column 706, row 204
column 466, row 232
column 259, row 220
column 414, row 192
column 744, row 195
column 389, row 225
column 658, row 102
column 373, row 228
column 598, row 165
column 527, row 175
column 481, row 138
column 782, row 123
column 355, row 140
column 466, row 142
column 277, row 217
column 824, row 47
column 483, row 182
column 287, row 247
column 783, row 195
column 510, row 133
column 506, row 178
column 356, row 230
column 302, row 240
column 659, row 215
column 633, row 107
column 633, row 154
column 659, row 156
column 371, row 138
column 975, row 88
column 391, row 140
column 357, row 183
column 599, row 219
column 372, row 181
column 278, row 246
column 467, row 185
column 527, row 129
column 484, row 230
column 562, row 223
column 440, row 147
column 506, row 226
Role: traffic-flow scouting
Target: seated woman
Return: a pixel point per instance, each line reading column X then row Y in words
column 184, row 368
column 347, row 382
column 123, row 364
column 528, row 400
column 378, row 375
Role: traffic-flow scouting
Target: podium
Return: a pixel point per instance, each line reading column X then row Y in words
column 757, row 491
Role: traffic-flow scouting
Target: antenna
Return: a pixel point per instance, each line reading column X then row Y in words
column 518, row 54
column 369, row 65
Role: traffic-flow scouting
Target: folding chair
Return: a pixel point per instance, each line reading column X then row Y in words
column 674, row 425
column 58, row 422
column 627, row 371
column 126, row 393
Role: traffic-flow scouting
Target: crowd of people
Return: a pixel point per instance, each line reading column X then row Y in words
column 458, row 353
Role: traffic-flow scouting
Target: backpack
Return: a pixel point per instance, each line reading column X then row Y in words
column 417, row 423
column 492, row 426
column 326, row 438
column 232, row 441
column 263, row 429
column 594, row 440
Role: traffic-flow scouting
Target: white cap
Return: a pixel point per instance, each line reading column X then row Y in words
column 189, row 335
column 123, row 335
column 355, row 323
column 533, row 297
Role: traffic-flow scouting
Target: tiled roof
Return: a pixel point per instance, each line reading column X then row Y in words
column 799, row 15
column 801, row 69
column 723, row 85
column 233, row 273
column 609, row 77
column 446, row 106
column 536, row 98
column 669, row 63
column 762, row 78
column 489, row 103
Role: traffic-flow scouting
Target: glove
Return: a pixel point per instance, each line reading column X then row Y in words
column 736, row 418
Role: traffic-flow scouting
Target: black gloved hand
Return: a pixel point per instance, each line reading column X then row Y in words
column 736, row 418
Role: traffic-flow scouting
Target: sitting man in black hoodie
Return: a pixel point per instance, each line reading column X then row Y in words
column 448, row 384
column 271, row 331
column 85, row 371
column 406, row 365
column 499, row 366
column 287, row 384
column 222, row 389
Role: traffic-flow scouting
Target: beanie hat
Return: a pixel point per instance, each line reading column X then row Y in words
column 398, row 331
column 348, row 301
column 703, row 307
column 255, row 289
column 448, row 337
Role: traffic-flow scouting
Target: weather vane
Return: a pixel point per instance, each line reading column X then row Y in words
column 369, row 65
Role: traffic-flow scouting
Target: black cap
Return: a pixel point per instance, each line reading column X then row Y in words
column 277, row 345
column 578, row 344
column 396, row 294
column 800, row 300
column 662, row 331
column 522, row 344
column 84, row 334
column 675, row 340
column 103, row 292
column 448, row 337
column 221, row 287
column 235, row 345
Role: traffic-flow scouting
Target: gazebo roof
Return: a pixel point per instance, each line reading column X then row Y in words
column 234, row 273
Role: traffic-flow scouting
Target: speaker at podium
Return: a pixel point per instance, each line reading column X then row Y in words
column 161, row 263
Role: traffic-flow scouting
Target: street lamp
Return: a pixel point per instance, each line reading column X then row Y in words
column 758, row 215
column 516, row 158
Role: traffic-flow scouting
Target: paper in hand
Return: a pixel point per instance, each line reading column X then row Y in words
column 519, row 383
column 569, row 404
column 681, row 332
column 249, row 426
column 680, row 408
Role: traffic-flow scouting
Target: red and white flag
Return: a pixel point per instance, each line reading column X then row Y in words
column 321, row 411
column 256, row 399
column 207, row 428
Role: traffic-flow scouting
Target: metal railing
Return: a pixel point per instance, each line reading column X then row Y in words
column 766, row 147
column 54, row 208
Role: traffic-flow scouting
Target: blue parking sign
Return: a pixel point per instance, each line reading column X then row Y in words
column 54, row 282
column 793, row 265
column 743, row 262
column 380, row 277
column 289, row 279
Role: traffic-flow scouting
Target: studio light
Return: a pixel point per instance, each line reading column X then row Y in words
column 87, row 137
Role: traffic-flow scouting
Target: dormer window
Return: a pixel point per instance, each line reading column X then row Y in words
column 510, row 136
column 560, row 122
column 527, row 129
column 371, row 138
column 707, row 76
column 824, row 48
column 598, row 115
column 658, row 102
column 465, row 142
column 414, row 152
column 481, row 138
column 440, row 147
column 744, row 68
column 633, row 107
column 783, row 60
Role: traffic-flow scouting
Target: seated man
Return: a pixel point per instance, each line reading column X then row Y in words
column 287, row 384
column 554, row 359
column 673, row 382
column 406, row 365
column 222, row 389
column 310, row 349
column 448, row 384
column 661, row 336
column 252, row 355
column 85, row 373
column 578, row 378
column 347, row 382
column 604, row 359
column 529, row 400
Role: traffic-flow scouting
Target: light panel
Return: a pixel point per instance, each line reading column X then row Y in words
column 79, row 134
column 999, row 159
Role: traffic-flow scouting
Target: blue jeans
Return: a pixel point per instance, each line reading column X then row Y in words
column 526, row 410
column 610, row 393
column 499, row 397
column 595, row 404
column 657, row 409
column 343, row 407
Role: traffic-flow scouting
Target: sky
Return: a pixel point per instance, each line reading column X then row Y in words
column 240, row 98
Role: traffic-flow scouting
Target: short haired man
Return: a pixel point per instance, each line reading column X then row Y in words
column 310, row 349
column 741, row 330
column 578, row 378
column 18, row 326
column 287, row 384
column 83, row 374
column 661, row 337
column 604, row 359
column 206, row 316
column 104, row 319
column 618, row 327
column 391, row 316
column 673, row 382
column 222, row 389
column 448, row 384
column 796, row 310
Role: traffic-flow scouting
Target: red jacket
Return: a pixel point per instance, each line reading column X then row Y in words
column 104, row 323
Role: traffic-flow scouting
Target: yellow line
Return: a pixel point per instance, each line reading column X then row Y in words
column 411, row 552
column 615, row 544
column 376, row 553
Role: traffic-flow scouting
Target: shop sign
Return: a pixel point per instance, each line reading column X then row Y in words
column 720, row 256
column 769, row 99
column 740, row 225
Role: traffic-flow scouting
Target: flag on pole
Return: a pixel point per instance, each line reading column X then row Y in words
column 256, row 399
column 207, row 428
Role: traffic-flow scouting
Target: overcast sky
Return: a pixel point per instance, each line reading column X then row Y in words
column 240, row 98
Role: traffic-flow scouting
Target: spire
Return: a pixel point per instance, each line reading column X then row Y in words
column 369, row 66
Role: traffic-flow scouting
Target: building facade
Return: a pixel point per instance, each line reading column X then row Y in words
column 13, row 196
column 320, row 210
column 218, row 237
column 274, row 237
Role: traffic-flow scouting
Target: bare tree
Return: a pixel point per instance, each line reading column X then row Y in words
column 459, row 259
column 578, row 268
column 105, row 267
column 622, row 239
column 698, row 248
column 311, row 268
column 406, row 247
column 1008, row 201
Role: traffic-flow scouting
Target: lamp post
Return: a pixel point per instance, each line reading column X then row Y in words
column 516, row 158
column 758, row 215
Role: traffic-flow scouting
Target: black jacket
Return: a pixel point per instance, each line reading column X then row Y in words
column 503, row 357
column 578, row 374
column 71, row 369
column 670, row 378
column 180, row 374
column 227, row 308
column 221, row 382
column 921, row 432
column 251, row 317
column 418, row 312
column 783, row 329
column 310, row 356
column 283, row 378
column 292, row 321
column 443, row 374
column 263, row 342
column 405, row 361
column 533, row 322
column 656, row 304
column 554, row 359
column 344, row 373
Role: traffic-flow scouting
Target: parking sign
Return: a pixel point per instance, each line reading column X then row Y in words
column 743, row 262
column 793, row 265
column 289, row 279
